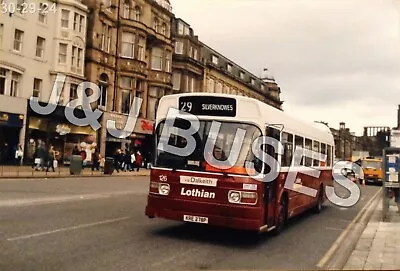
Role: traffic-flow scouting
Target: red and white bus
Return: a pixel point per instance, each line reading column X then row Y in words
column 189, row 189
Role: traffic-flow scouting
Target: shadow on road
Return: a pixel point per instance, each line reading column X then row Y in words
column 227, row 237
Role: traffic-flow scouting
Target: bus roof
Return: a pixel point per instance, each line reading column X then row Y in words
column 255, row 111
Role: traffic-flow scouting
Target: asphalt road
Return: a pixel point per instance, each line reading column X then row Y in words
column 99, row 224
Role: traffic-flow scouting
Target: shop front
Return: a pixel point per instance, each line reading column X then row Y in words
column 10, row 128
column 138, row 140
column 55, row 130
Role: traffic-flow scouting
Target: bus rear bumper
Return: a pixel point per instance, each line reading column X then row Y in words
column 166, row 212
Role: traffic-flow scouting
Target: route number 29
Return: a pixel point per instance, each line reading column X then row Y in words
column 186, row 106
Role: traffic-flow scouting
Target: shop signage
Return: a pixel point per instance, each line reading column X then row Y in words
column 146, row 126
column 142, row 126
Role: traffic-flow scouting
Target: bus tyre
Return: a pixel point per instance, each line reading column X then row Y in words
column 282, row 217
column 320, row 201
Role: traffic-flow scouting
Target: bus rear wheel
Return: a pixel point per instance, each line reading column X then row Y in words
column 282, row 217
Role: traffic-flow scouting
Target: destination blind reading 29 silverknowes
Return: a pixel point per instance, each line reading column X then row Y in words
column 208, row 106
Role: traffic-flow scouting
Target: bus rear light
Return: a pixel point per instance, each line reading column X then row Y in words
column 234, row 196
column 164, row 189
column 241, row 197
column 159, row 188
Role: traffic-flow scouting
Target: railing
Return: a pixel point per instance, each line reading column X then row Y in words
column 14, row 171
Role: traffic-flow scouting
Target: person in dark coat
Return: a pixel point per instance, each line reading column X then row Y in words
column 139, row 160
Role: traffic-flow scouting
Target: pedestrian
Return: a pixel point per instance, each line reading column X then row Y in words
column 83, row 156
column 139, row 160
column 127, row 161
column 397, row 198
column 96, row 160
column 51, row 158
column 75, row 151
column 117, row 160
column 133, row 160
column 18, row 155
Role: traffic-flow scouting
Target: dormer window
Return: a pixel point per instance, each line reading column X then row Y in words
column 262, row 87
column 252, row 81
column 214, row 60
column 229, row 67
column 242, row 75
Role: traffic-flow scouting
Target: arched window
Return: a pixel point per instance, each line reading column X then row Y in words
column 103, row 85
column 137, row 13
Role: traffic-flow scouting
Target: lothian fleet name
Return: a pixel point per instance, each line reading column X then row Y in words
column 197, row 193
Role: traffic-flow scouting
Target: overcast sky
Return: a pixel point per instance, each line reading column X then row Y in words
column 335, row 60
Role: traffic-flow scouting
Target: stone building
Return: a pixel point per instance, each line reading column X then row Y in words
column 129, row 54
column 34, row 48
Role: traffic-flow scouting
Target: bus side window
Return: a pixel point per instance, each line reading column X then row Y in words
column 308, row 146
column 316, row 148
column 329, row 156
column 323, row 151
column 287, row 142
column 299, row 142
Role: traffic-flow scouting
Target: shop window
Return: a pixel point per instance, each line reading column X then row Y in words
column 287, row 142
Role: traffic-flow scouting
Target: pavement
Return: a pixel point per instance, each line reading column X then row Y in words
column 99, row 224
column 379, row 245
column 61, row 172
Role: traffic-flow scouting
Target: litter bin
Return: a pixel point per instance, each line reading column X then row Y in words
column 109, row 165
column 76, row 165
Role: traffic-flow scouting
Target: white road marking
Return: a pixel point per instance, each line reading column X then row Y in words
column 59, row 199
column 334, row 229
column 68, row 228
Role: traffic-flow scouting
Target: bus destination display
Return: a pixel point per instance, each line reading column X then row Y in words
column 208, row 106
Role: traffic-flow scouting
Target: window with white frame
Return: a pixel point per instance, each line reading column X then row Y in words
column 178, row 47
column 1, row 35
column 18, row 40
column 186, row 30
column 80, row 58
column 37, row 87
column 262, row 87
column 164, row 29
column 103, row 86
column 3, row 77
column 252, row 81
column 242, row 75
column 74, row 56
column 157, row 58
column 141, row 48
column 15, row 80
column 214, row 60
column 73, row 92
column 195, row 52
column 154, row 95
column 210, row 87
column 156, row 24
column 40, row 44
column 180, row 28
column 168, row 61
column 128, row 45
column 176, row 80
column 229, row 67
column 191, row 84
column 42, row 13
column 62, row 53
column 137, row 14
column 81, row 23
column 76, row 21
column 126, row 84
column 65, row 18
column 105, row 38
column 127, row 9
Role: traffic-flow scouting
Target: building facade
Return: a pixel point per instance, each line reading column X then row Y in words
column 221, row 75
column 34, row 48
column 345, row 142
column 187, row 65
column 129, row 54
